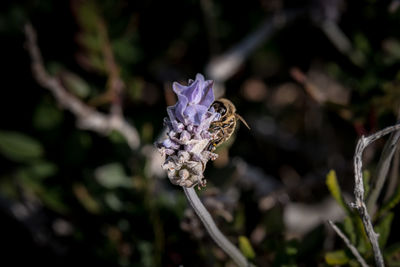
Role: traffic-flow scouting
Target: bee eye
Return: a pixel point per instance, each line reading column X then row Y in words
column 219, row 108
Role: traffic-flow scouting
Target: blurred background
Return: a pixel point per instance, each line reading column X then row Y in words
column 309, row 77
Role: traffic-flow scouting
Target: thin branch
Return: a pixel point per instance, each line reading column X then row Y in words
column 224, row 66
column 382, row 170
column 115, row 83
column 352, row 248
column 213, row 230
column 359, row 203
column 394, row 176
column 342, row 43
column 88, row 118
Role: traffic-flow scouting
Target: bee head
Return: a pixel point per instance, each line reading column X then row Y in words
column 219, row 107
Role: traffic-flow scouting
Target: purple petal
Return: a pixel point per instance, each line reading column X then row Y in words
column 189, row 113
column 194, row 92
column 178, row 88
column 207, row 97
column 168, row 143
column 200, row 111
column 180, row 107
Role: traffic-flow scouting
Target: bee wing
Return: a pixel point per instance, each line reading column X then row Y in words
column 242, row 120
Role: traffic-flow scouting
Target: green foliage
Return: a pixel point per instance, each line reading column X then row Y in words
column 383, row 229
column 349, row 229
column 112, row 176
column 246, row 248
column 391, row 203
column 47, row 115
column 146, row 252
column 366, row 181
column 37, row 170
column 19, row 147
column 338, row 257
column 76, row 84
column 334, row 188
column 352, row 225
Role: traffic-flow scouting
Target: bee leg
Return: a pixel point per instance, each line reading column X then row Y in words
column 211, row 146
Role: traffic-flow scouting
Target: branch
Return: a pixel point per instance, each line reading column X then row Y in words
column 213, row 230
column 115, row 84
column 359, row 203
column 88, row 118
column 224, row 66
column 352, row 248
column 382, row 170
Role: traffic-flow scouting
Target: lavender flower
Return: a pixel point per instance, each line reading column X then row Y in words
column 188, row 136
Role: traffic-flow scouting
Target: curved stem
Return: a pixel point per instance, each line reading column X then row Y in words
column 359, row 203
column 213, row 230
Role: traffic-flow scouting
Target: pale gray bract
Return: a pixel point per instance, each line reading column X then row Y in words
column 188, row 138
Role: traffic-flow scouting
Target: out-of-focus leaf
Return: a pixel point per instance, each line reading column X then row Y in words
column 366, row 179
column 46, row 116
column 125, row 51
column 87, row 15
column 338, row 257
column 383, row 229
column 349, row 229
column 19, row 147
column 91, row 42
column 369, row 82
column 37, row 170
column 113, row 202
column 96, row 61
column 76, row 84
column 86, row 199
column 146, row 252
column 43, row 169
column 353, row 263
column 135, row 88
column 334, row 188
column 361, row 43
column 246, row 248
column 363, row 244
column 52, row 199
column 393, row 201
column 116, row 137
column 112, row 175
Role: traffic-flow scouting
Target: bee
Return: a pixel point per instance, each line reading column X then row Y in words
column 226, row 125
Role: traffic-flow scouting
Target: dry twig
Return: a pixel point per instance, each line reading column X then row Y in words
column 88, row 118
column 382, row 170
column 352, row 248
column 225, row 65
column 359, row 203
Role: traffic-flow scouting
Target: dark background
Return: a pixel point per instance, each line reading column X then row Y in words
column 306, row 101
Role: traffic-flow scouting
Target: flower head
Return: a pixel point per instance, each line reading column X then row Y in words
column 194, row 100
column 188, row 123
